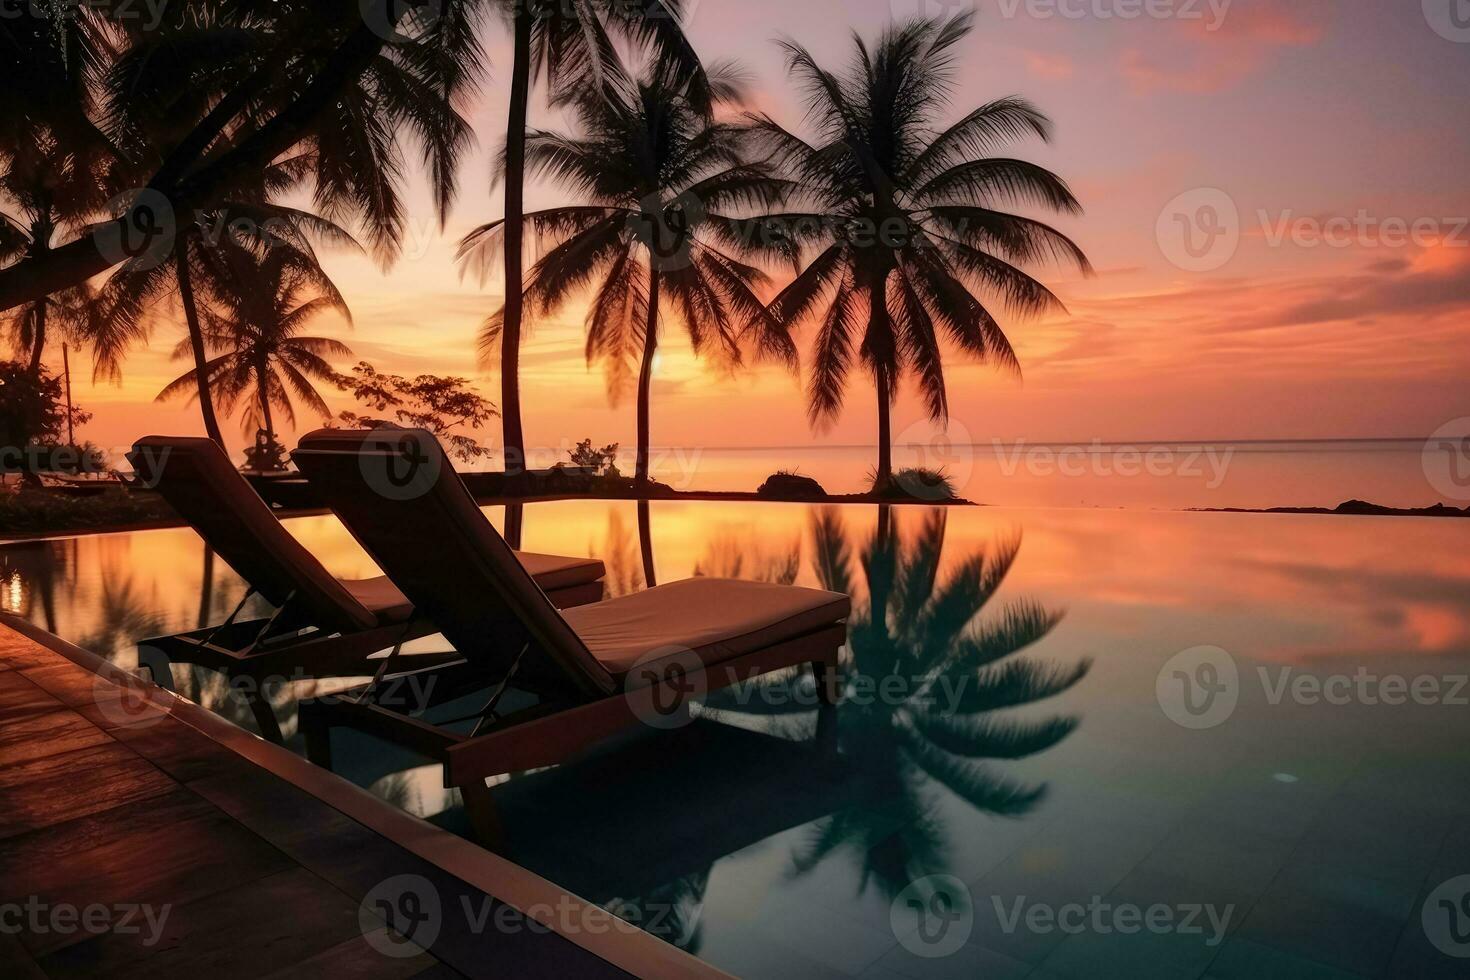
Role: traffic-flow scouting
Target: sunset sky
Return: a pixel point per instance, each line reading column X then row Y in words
column 1314, row 110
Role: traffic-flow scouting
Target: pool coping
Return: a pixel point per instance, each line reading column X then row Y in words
column 594, row 929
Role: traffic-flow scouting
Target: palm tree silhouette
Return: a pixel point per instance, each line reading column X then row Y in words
column 920, row 638
column 654, row 172
column 199, row 274
column 55, row 164
column 352, row 158
column 51, row 191
column 907, row 226
column 343, row 84
column 254, row 326
column 565, row 41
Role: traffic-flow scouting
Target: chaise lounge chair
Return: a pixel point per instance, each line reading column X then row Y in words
column 323, row 626
column 594, row 670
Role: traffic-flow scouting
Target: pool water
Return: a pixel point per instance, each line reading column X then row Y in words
column 1076, row 743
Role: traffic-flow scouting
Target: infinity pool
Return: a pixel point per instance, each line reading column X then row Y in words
column 1077, row 743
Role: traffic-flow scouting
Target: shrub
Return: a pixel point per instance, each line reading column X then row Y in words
column 917, row 483
column 789, row 483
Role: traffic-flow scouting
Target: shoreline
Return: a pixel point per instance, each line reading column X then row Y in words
column 1350, row 508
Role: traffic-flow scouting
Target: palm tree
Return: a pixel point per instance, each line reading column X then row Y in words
column 562, row 41
column 50, row 192
column 340, row 81
column 653, row 172
column 253, row 327
column 55, row 165
column 200, row 269
column 907, row 221
column 352, row 157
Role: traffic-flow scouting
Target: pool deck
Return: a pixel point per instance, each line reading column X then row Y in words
column 119, row 801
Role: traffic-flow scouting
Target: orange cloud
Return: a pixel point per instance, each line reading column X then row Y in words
column 1052, row 66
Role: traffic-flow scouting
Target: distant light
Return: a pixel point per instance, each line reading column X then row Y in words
column 1284, row 777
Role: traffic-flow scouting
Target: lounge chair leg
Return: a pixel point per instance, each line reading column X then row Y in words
column 479, row 805
column 318, row 737
column 828, row 684
column 156, row 662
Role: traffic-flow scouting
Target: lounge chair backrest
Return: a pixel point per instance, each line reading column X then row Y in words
column 195, row 476
column 399, row 495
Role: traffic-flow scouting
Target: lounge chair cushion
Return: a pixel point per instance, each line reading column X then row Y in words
column 551, row 572
column 718, row 619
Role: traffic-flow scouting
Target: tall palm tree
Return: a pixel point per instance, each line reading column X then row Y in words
column 653, row 172
column 51, row 192
column 55, row 165
column 908, row 221
column 278, row 78
column 253, row 327
column 200, row 269
column 352, row 158
column 565, row 41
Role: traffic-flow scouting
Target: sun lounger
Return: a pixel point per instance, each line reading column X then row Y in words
column 323, row 626
column 594, row 670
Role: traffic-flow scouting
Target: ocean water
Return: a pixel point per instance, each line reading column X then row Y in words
column 1163, row 475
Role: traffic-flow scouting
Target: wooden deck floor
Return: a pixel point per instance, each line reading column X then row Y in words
column 246, row 875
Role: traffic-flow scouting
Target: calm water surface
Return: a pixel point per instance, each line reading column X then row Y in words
column 1167, row 476
column 1052, row 737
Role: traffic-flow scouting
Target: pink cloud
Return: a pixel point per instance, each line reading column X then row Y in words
column 1052, row 66
column 1217, row 55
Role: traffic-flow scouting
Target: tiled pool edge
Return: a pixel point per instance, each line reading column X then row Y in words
column 593, row 928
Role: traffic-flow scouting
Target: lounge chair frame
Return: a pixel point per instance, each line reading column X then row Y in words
column 506, row 629
column 547, row 733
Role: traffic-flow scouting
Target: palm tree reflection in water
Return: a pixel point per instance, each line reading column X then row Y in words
column 919, row 634
column 917, row 630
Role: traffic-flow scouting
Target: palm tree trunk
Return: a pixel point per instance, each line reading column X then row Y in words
column 645, row 380
column 645, row 544
column 41, row 232
column 38, row 341
column 878, row 326
column 196, row 344
column 71, row 436
column 262, row 380
column 206, row 590
column 515, row 177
